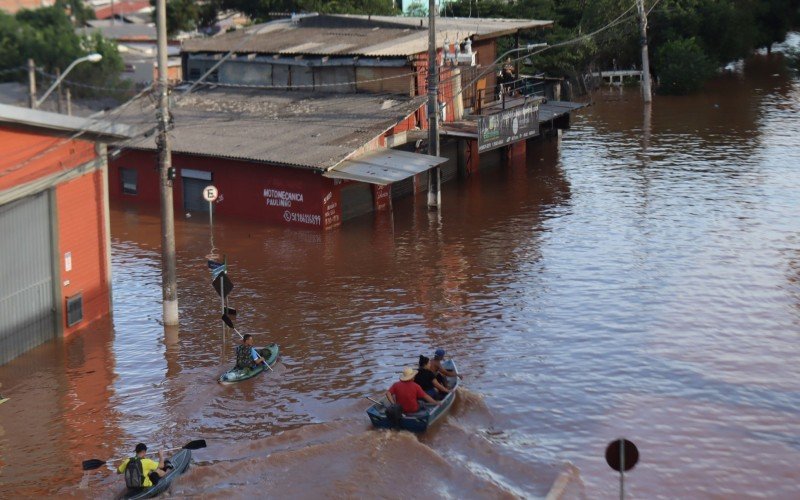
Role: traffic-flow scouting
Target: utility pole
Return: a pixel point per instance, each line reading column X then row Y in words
column 168, row 266
column 31, row 84
column 646, row 88
column 434, row 174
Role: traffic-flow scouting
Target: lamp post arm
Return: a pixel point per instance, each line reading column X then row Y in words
column 63, row 75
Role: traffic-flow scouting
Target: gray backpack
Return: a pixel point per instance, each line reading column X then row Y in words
column 134, row 475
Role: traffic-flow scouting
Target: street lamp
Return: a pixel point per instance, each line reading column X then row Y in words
column 94, row 57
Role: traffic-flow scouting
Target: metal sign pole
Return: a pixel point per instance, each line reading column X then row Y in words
column 622, row 469
column 222, row 295
column 616, row 459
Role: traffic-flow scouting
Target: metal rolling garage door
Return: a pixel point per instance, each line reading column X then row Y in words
column 403, row 188
column 356, row 200
column 193, row 200
column 194, row 181
column 449, row 168
column 27, row 313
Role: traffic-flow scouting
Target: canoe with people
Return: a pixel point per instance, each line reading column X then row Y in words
column 148, row 478
column 420, row 397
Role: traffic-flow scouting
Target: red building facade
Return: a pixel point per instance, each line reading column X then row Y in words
column 53, row 213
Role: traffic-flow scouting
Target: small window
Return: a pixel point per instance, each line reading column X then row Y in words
column 130, row 180
column 74, row 309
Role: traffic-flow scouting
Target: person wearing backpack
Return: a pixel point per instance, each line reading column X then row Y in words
column 142, row 472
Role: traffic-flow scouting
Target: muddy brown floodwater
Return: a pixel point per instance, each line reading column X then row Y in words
column 641, row 278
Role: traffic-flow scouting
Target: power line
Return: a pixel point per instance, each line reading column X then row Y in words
column 73, row 83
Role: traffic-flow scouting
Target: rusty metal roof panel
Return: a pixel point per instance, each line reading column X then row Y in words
column 298, row 129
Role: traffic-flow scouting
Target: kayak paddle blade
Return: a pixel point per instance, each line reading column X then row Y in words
column 195, row 445
column 227, row 320
column 92, row 464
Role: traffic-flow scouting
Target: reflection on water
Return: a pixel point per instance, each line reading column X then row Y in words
column 637, row 278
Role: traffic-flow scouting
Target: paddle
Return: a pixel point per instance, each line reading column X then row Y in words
column 227, row 320
column 95, row 463
column 376, row 402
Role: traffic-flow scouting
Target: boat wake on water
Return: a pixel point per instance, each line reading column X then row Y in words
column 459, row 457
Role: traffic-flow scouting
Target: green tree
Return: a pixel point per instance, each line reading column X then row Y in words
column 774, row 20
column 47, row 36
column 417, row 9
column 77, row 10
column 683, row 66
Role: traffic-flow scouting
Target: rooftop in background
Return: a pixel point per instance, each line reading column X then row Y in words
column 120, row 8
column 373, row 36
column 120, row 31
column 12, row 6
column 95, row 129
column 294, row 128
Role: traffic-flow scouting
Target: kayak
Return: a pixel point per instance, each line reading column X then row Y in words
column 3, row 400
column 180, row 462
column 270, row 355
column 421, row 420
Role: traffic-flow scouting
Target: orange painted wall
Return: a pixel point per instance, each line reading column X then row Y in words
column 26, row 155
column 81, row 231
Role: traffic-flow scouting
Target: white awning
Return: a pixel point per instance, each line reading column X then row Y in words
column 384, row 166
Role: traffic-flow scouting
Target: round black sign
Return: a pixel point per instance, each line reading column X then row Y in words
column 629, row 451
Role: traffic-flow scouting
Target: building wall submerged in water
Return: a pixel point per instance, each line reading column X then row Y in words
column 55, row 273
column 314, row 120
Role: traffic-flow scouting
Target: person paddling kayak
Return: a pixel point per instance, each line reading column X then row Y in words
column 246, row 355
column 142, row 472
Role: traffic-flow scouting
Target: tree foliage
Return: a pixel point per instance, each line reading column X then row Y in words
column 719, row 30
column 47, row 36
column 684, row 66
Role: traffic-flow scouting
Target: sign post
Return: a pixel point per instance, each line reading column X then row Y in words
column 621, row 455
column 210, row 194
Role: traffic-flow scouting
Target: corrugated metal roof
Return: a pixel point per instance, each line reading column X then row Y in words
column 121, row 31
column 97, row 129
column 378, row 36
column 384, row 166
column 309, row 130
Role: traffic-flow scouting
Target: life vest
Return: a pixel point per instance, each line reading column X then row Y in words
column 134, row 474
column 244, row 357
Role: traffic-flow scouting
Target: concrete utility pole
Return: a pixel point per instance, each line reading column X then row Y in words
column 646, row 87
column 31, row 84
column 434, row 174
column 168, row 274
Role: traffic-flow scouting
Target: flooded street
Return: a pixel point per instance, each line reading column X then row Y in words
column 639, row 279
